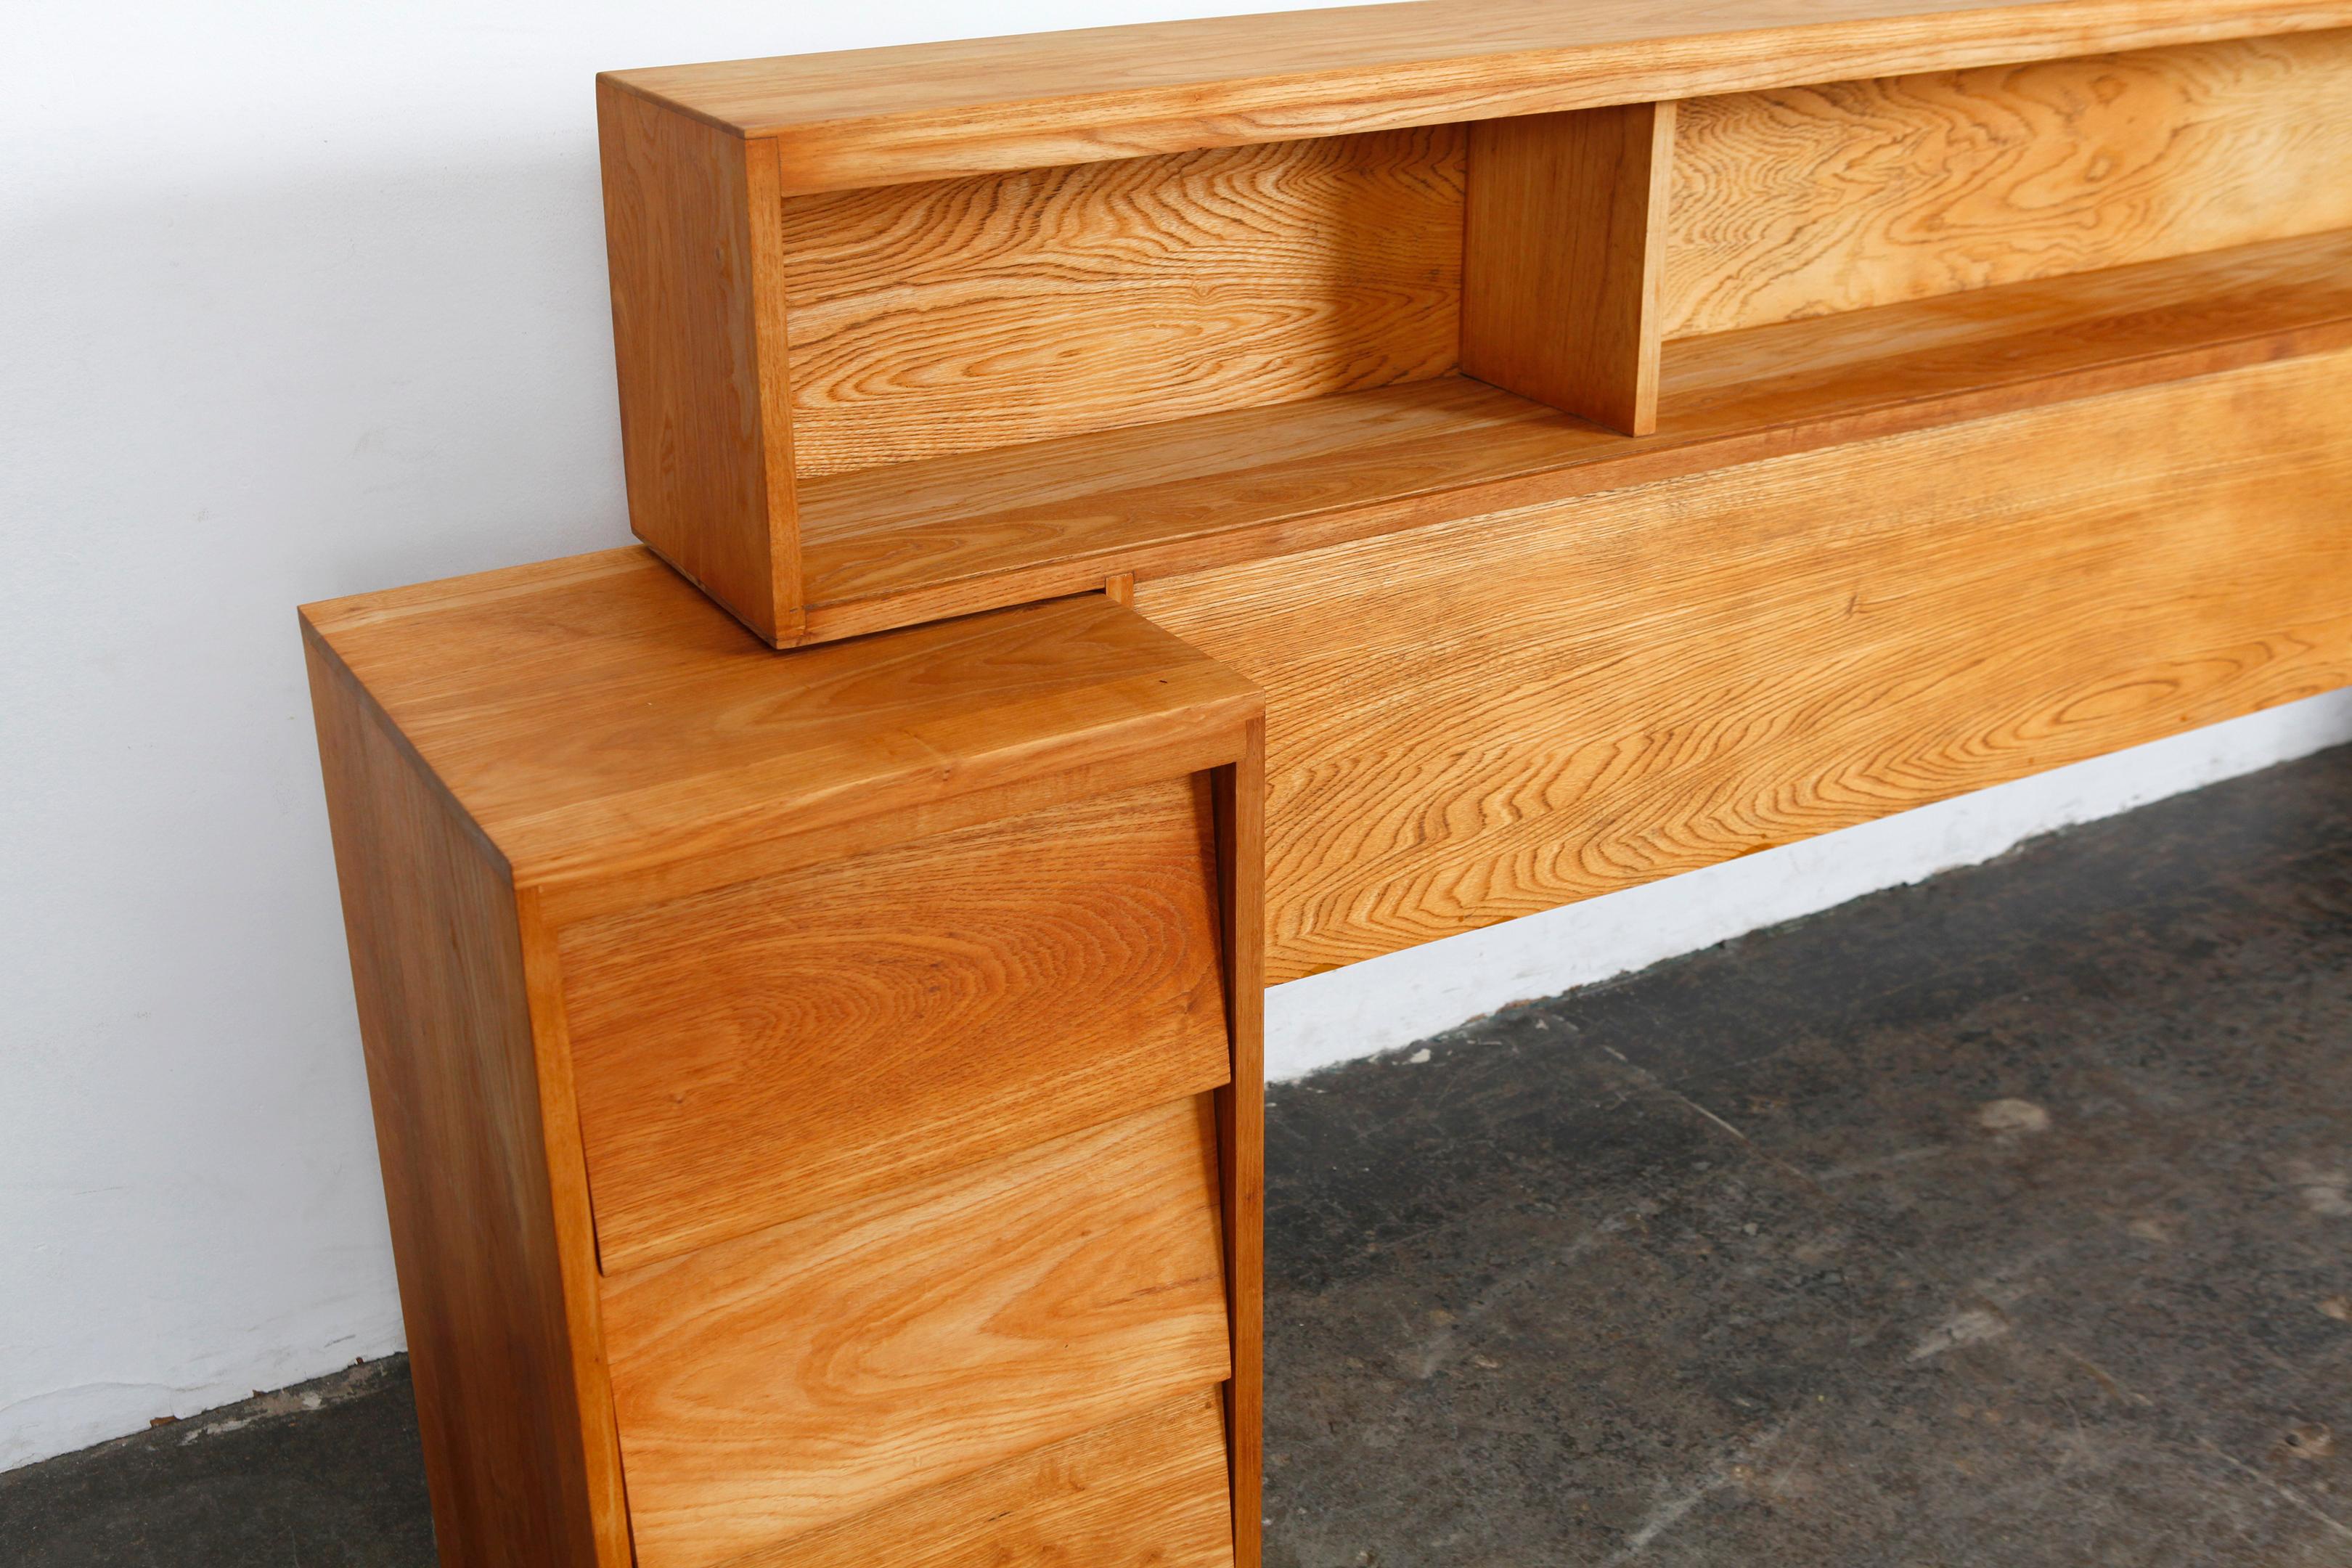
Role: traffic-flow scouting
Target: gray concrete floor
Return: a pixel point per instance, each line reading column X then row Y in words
column 2004, row 1220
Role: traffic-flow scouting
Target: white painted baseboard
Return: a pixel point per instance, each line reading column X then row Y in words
column 1389, row 1001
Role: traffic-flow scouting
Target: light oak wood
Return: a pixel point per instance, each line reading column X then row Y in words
column 692, row 235
column 480, row 1166
column 621, row 742
column 1562, row 254
column 821, row 1093
column 956, row 534
column 779, row 1047
column 1011, row 307
column 801, row 329
column 1145, row 1492
column 1806, row 201
column 819, row 1370
column 976, row 899
column 927, row 111
column 1621, row 687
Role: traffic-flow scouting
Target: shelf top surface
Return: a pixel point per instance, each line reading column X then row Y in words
column 919, row 111
column 598, row 715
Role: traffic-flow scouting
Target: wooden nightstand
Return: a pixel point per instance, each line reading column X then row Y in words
column 819, row 1095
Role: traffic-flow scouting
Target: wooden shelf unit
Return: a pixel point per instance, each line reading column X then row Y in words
column 1241, row 497
column 923, row 395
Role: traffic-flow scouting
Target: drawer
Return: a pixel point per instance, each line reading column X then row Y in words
column 1146, row 1492
column 817, row 1390
column 781, row 1047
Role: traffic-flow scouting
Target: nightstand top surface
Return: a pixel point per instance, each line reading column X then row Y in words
column 597, row 716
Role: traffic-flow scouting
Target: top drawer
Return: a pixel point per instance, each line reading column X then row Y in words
column 776, row 1047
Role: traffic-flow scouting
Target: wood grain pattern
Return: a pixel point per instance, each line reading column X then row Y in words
column 1486, row 719
column 956, row 534
column 692, row 239
column 1145, row 1492
column 1564, row 238
column 575, row 1229
column 873, row 116
column 816, row 1370
column 778, row 1047
column 512, row 1404
column 622, row 740
column 917, row 904
column 1238, row 794
column 982, row 312
column 2015, row 347
column 1807, row 201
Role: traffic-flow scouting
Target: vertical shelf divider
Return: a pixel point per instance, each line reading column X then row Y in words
column 1562, row 251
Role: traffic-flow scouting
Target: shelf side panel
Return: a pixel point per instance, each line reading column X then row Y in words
column 690, row 235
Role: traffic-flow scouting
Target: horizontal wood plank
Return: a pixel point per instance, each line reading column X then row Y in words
column 1808, row 201
column 816, row 1372
column 1489, row 718
column 982, row 312
column 778, row 1047
column 956, row 534
column 927, row 112
column 1149, row 1491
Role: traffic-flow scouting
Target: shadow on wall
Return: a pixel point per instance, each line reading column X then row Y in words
column 218, row 403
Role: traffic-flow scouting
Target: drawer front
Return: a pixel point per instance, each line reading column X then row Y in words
column 1146, row 1492
column 781, row 1047
column 843, row 1378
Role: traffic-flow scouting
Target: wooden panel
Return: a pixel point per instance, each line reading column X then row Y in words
column 690, row 234
column 621, row 740
column 1561, row 259
column 1486, row 719
column 1996, row 349
column 1145, row 1492
column 956, row 534
column 972, row 313
column 1812, row 200
column 1240, row 796
column 778, row 1047
column 819, row 1370
column 512, row 1407
column 871, row 117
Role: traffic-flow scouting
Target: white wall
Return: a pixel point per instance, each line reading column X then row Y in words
column 301, row 299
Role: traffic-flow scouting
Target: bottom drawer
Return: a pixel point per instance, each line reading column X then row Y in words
column 1149, row 1491
column 841, row 1384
